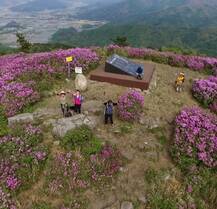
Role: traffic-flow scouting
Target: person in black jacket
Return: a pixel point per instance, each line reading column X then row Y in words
column 109, row 106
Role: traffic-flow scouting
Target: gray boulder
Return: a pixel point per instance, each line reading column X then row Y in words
column 126, row 205
column 81, row 82
column 45, row 113
column 21, row 118
column 63, row 125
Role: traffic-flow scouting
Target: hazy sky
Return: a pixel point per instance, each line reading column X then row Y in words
column 16, row 2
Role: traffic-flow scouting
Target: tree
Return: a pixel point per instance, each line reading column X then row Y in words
column 24, row 44
column 121, row 41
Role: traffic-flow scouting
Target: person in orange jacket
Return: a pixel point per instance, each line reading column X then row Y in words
column 179, row 82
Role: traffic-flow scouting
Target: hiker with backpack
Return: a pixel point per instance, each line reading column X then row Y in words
column 109, row 111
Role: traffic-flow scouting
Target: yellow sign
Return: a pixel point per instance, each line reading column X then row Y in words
column 69, row 59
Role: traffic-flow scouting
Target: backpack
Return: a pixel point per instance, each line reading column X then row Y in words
column 109, row 109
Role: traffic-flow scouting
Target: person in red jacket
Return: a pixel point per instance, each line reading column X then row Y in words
column 77, row 100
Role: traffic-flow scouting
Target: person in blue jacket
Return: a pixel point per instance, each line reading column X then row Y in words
column 108, row 113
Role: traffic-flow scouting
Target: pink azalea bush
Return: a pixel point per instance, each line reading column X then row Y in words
column 20, row 73
column 130, row 105
column 20, row 162
column 205, row 91
column 105, row 163
column 67, row 173
column 196, row 137
column 198, row 63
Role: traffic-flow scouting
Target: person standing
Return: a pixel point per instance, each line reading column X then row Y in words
column 63, row 103
column 78, row 99
column 179, row 82
column 108, row 113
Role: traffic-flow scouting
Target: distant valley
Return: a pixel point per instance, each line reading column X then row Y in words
column 39, row 19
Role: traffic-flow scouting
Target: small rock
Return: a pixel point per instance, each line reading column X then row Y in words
column 142, row 199
column 81, row 82
column 56, row 143
column 167, row 177
column 126, row 205
column 21, row 118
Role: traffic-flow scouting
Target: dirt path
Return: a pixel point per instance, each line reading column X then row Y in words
column 141, row 148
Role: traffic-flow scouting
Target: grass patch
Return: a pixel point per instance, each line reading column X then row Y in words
column 159, row 192
column 136, row 204
column 3, row 123
column 41, row 205
column 126, row 128
column 159, row 133
column 151, row 176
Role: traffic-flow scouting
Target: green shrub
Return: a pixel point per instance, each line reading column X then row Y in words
column 77, row 137
column 151, row 176
column 94, row 146
column 206, row 187
column 82, row 138
column 159, row 197
column 159, row 200
column 3, row 123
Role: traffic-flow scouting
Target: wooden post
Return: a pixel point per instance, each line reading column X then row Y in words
column 69, row 70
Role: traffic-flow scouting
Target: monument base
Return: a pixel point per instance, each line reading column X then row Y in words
column 124, row 80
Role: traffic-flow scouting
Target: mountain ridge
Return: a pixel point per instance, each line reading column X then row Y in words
column 147, row 11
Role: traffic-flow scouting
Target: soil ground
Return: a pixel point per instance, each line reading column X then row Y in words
column 141, row 147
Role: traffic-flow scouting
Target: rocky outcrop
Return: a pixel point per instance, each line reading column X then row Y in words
column 61, row 126
column 45, row 113
column 21, row 118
